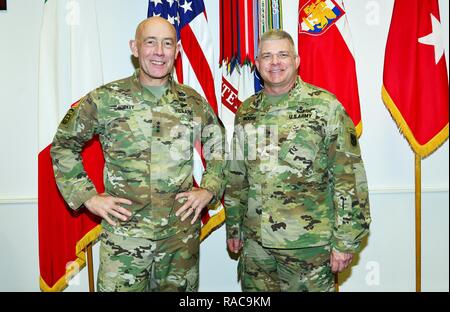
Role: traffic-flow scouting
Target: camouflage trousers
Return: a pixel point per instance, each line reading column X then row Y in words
column 138, row 264
column 296, row 270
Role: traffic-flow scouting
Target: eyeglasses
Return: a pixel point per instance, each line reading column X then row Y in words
column 266, row 57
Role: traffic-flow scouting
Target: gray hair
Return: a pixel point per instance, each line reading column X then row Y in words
column 276, row 34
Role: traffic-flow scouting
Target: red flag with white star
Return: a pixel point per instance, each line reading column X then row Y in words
column 415, row 81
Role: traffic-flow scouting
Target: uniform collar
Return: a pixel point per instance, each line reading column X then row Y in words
column 261, row 96
column 139, row 91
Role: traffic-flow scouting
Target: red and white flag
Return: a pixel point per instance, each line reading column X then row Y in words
column 415, row 81
column 326, row 53
column 69, row 67
column 237, row 86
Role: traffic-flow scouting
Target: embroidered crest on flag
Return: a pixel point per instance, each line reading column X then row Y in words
column 317, row 16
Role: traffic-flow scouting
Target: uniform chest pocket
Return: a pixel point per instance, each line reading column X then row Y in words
column 299, row 149
column 125, row 138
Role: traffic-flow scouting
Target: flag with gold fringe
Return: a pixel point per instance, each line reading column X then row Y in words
column 69, row 67
column 415, row 81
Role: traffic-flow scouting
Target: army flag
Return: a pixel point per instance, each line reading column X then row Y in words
column 194, row 67
column 415, row 81
column 238, row 39
column 326, row 53
column 69, row 67
column 237, row 86
column 241, row 24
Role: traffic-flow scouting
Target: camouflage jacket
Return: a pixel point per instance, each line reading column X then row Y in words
column 148, row 150
column 304, row 183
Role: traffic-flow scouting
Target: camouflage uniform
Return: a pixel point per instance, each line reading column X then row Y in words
column 148, row 150
column 141, row 264
column 306, row 188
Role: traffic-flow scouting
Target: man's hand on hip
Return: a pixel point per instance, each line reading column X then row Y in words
column 104, row 205
column 197, row 199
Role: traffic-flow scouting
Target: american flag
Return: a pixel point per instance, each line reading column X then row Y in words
column 194, row 67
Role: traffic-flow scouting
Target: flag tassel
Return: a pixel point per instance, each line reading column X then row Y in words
column 423, row 150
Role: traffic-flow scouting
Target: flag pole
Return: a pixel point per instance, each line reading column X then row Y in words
column 90, row 265
column 336, row 282
column 418, row 191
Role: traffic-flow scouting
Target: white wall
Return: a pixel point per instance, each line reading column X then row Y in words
column 387, row 261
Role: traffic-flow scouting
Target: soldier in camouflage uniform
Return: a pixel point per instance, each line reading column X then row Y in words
column 147, row 124
column 296, row 198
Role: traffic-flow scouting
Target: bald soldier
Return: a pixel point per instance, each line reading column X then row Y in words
column 147, row 124
column 296, row 199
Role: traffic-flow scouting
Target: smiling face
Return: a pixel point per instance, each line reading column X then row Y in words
column 278, row 64
column 156, row 47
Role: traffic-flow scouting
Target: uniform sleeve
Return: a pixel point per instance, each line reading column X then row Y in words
column 213, row 143
column 349, row 182
column 236, row 190
column 78, row 126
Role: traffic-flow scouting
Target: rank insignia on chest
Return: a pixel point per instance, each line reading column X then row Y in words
column 182, row 98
